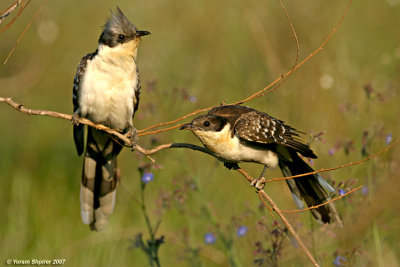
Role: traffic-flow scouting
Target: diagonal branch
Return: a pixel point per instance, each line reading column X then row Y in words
column 268, row 89
column 335, row 168
column 9, row 10
column 327, row 202
column 263, row 196
column 26, row 28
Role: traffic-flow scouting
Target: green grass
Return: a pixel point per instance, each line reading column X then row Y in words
column 216, row 51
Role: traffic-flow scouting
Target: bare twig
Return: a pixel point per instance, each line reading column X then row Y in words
column 335, row 168
column 26, row 29
column 263, row 196
column 268, row 89
column 293, row 32
column 9, row 10
column 327, row 202
column 15, row 18
column 21, row 108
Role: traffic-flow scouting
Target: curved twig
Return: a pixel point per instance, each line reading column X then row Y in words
column 26, row 29
column 268, row 89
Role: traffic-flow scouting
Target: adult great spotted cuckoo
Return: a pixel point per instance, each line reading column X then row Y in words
column 240, row 134
column 106, row 90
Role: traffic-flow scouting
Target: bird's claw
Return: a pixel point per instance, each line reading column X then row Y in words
column 75, row 119
column 133, row 134
column 258, row 183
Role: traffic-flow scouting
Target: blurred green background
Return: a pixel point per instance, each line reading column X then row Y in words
column 202, row 53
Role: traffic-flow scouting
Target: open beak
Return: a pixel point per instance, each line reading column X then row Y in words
column 187, row 126
column 142, row 33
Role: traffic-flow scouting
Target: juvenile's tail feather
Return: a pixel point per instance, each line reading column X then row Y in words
column 98, row 187
column 309, row 188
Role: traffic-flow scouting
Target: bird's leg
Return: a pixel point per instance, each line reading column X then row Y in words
column 75, row 118
column 258, row 182
column 132, row 133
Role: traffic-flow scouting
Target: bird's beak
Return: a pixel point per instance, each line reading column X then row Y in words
column 142, row 33
column 187, row 126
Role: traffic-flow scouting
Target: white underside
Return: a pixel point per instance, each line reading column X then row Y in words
column 230, row 148
column 107, row 91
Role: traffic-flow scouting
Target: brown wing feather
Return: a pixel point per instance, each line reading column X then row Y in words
column 261, row 128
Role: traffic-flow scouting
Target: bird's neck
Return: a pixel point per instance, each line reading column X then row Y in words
column 126, row 52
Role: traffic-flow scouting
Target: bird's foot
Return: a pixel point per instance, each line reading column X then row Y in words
column 75, row 119
column 258, row 183
column 132, row 133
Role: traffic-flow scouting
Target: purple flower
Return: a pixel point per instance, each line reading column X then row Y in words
column 388, row 138
column 147, row 177
column 331, row 151
column 209, row 238
column 341, row 192
column 241, row 231
column 339, row 260
column 364, row 190
column 193, row 99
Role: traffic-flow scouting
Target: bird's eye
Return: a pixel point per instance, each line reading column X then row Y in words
column 206, row 123
column 121, row 37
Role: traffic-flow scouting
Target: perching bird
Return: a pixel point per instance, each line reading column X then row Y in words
column 240, row 134
column 106, row 91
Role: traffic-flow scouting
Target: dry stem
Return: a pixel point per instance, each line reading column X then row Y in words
column 9, row 10
column 268, row 89
column 26, row 28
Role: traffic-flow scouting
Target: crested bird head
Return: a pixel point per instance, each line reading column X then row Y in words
column 120, row 32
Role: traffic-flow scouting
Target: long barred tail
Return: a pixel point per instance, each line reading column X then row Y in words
column 99, row 180
column 310, row 188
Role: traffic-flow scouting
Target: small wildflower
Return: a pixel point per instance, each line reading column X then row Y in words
column 388, row 138
column 364, row 190
column 147, row 177
column 341, row 192
column 339, row 261
column 193, row 99
column 331, row 151
column 241, row 231
column 209, row 238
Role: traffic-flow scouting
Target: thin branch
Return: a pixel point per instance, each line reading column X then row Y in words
column 9, row 10
column 21, row 108
column 335, row 168
column 264, row 195
column 268, row 89
column 173, row 145
column 293, row 32
column 15, row 18
column 327, row 202
column 24, row 32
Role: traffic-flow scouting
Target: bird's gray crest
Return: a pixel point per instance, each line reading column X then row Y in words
column 117, row 29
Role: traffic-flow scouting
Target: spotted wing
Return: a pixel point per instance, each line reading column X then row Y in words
column 79, row 130
column 261, row 128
